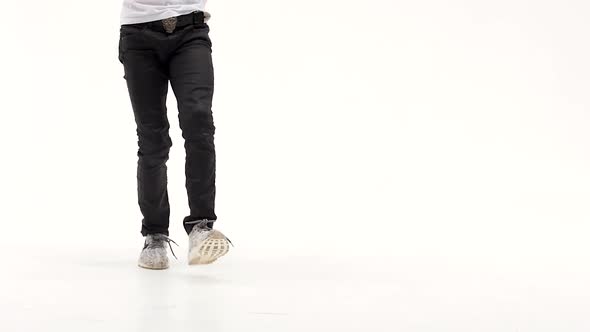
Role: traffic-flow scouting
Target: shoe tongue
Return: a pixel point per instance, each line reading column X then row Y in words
column 155, row 238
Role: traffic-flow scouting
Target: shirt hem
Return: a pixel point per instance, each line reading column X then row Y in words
column 160, row 16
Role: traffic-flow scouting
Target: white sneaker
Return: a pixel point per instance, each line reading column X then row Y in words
column 153, row 255
column 206, row 245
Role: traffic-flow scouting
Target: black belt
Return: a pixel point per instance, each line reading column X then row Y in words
column 170, row 24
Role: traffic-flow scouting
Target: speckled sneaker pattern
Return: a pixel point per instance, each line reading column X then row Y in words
column 154, row 254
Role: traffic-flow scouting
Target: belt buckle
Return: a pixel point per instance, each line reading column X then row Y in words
column 169, row 24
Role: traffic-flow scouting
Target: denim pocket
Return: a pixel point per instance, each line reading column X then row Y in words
column 125, row 33
column 129, row 30
column 203, row 33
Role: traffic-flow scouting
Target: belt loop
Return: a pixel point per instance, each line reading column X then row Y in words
column 198, row 17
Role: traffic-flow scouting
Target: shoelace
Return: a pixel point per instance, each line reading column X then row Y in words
column 203, row 224
column 162, row 237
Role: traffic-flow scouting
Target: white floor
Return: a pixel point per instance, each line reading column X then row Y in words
column 96, row 290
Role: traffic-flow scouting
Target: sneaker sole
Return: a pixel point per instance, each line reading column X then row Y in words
column 160, row 267
column 164, row 264
column 209, row 251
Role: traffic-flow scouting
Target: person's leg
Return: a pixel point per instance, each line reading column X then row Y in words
column 147, row 82
column 191, row 77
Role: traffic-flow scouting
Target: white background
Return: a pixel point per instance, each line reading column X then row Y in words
column 428, row 158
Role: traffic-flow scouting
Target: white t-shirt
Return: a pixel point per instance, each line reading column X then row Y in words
column 139, row 11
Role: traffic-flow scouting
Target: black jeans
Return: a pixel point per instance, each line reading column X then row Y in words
column 151, row 59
